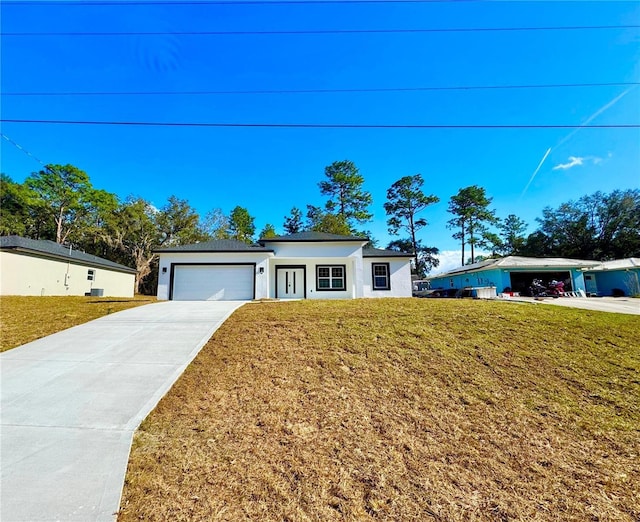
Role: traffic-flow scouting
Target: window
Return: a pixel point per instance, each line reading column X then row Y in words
column 381, row 276
column 91, row 275
column 331, row 277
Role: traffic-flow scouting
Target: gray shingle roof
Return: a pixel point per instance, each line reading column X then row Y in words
column 379, row 252
column 53, row 250
column 216, row 245
column 522, row 262
column 311, row 236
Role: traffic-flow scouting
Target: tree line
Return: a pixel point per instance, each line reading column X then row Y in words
column 60, row 203
column 595, row 227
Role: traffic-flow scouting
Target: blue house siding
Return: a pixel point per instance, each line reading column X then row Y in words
column 627, row 280
column 493, row 277
column 501, row 278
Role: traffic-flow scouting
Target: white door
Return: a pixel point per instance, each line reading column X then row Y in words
column 213, row 283
column 590, row 284
column 291, row 284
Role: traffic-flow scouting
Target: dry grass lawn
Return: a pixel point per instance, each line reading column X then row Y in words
column 25, row 318
column 404, row 410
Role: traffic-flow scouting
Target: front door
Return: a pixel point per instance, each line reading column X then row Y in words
column 590, row 284
column 290, row 283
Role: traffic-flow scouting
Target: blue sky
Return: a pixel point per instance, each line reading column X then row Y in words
column 269, row 170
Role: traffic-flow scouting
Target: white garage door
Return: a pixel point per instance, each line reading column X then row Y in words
column 213, row 283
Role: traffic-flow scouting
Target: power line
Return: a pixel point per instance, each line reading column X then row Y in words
column 318, row 125
column 22, row 149
column 328, row 31
column 221, row 2
column 320, row 91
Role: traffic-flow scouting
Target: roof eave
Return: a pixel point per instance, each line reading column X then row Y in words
column 346, row 240
column 210, row 251
column 68, row 259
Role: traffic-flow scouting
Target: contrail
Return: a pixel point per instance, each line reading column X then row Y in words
column 595, row 115
column 585, row 122
column 536, row 171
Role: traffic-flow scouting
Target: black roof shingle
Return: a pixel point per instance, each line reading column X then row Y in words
column 216, row 245
column 53, row 250
column 312, row 237
column 379, row 252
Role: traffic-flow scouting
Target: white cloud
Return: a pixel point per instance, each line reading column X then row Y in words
column 450, row 259
column 577, row 161
column 573, row 162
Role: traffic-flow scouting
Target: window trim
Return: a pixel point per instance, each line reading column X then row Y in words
column 331, row 278
column 373, row 276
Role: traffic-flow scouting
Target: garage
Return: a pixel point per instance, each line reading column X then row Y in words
column 521, row 281
column 213, row 282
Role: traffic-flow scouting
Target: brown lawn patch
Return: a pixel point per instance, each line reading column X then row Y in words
column 25, row 318
column 398, row 410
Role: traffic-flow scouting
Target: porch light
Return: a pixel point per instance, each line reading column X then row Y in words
column 261, row 270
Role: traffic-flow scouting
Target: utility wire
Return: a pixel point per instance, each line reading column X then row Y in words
column 327, row 31
column 320, row 91
column 22, row 149
column 222, row 2
column 317, row 125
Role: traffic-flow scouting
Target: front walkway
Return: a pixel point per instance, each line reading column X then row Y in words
column 70, row 403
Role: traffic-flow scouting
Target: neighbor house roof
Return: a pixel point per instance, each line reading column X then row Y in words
column 618, row 264
column 53, row 250
column 312, row 237
column 515, row 262
column 379, row 252
column 215, row 245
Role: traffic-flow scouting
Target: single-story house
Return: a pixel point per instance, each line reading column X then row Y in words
column 618, row 277
column 306, row 265
column 515, row 273
column 38, row 267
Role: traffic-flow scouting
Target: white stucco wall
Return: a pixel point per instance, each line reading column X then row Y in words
column 310, row 255
column 316, row 250
column 400, row 270
column 22, row 274
column 261, row 259
column 353, row 285
column 307, row 255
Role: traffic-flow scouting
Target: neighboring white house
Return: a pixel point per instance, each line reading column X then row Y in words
column 36, row 267
column 307, row 265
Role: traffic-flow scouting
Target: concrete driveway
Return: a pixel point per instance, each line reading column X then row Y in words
column 70, row 403
column 619, row 305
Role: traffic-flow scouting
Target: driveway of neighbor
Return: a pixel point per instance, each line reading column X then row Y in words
column 620, row 305
column 70, row 403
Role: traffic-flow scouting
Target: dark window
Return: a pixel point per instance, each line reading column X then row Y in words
column 91, row 275
column 331, row 277
column 381, row 279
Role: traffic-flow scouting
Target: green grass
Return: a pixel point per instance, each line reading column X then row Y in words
column 398, row 410
column 25, row 319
